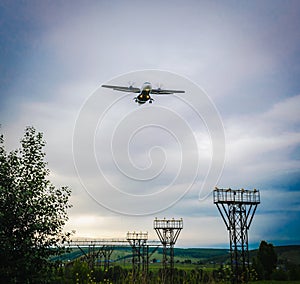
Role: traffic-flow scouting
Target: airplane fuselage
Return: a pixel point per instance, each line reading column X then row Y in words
column 144, row 96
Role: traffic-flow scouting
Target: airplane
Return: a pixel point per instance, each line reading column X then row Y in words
column 143, row 92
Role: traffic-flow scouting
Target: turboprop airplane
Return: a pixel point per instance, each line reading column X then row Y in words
column 144, row 93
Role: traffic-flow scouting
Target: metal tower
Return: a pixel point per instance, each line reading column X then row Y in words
column 168, row 232
column 138, row 243
column 237, row 208
column 95, row 253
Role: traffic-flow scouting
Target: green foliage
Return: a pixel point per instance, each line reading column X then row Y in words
column 287, row 265
column 279, row 274
column 293, row 271
column 81, row 272
column 266, row 260
column 222, row 274
column 32, row 212
column 258, row 268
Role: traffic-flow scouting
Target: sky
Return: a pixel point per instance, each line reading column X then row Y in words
column 237, row 124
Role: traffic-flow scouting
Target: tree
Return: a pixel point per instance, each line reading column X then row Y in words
column 266, row 260
column 32, row 212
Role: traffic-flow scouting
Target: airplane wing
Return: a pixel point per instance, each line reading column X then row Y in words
column 166, row 92
column 123, row 89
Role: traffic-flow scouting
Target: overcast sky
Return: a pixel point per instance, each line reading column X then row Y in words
column 238, row 62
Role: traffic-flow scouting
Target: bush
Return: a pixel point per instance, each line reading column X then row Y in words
column 279, row 274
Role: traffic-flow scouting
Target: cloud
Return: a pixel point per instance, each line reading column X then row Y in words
column 260, row 144
column 284, row 113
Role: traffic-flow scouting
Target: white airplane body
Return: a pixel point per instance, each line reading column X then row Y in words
column 144, row 93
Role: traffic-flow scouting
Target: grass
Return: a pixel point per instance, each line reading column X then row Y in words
column 274, row 282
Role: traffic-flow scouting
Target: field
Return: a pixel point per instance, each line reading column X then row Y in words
column 194, row 256
column 190, row 263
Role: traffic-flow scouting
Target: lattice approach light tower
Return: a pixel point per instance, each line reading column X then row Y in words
column 168, row 232
column 138, row 243
column 237, row 208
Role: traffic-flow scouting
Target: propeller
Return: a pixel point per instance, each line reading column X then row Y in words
column 131, row 84
column 159, row 86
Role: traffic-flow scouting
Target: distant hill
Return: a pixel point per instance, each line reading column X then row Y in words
column 289, row 253
column 195, row 255
column 203, row 255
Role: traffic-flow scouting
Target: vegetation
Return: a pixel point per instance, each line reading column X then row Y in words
column 79, row 272
column 188, row 267
column 32, row 213
column 279, row 264
column 265, row 261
